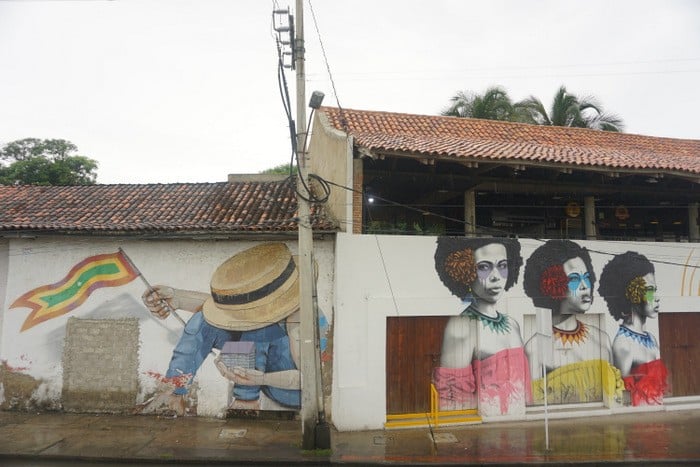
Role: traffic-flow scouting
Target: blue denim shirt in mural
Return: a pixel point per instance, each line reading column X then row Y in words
column 197, row 341
column 272, row 353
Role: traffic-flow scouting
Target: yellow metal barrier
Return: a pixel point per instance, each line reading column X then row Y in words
column 434, row 405
column 435, row 417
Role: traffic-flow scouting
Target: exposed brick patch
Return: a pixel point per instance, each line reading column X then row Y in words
column 100, row 365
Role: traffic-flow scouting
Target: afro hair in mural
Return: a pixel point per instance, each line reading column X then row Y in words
column 455, row 266
column 544, row 279
column 621, row 283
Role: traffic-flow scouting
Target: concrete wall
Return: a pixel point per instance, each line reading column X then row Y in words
column 44, row 366
column 330, row 153
column 395, row 276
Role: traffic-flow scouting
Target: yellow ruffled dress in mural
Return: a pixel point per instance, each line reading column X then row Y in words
column 586, row 381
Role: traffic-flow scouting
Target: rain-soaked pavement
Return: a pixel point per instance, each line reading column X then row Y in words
column 649, row 438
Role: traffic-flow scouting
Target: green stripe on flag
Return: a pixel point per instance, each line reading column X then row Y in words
column 74, row 289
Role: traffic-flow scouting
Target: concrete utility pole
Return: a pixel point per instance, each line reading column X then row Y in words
column 309, row 396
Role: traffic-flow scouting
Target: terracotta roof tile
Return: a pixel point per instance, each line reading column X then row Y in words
column 452, row 137
column 155, row 208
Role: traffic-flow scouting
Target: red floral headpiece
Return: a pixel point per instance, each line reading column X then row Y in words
column 554, row 283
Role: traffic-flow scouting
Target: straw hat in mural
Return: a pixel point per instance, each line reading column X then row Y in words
column 254, row 288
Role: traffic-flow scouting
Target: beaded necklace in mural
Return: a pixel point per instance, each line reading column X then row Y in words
column 645, row 339
column 577, row 336
column 499, row 324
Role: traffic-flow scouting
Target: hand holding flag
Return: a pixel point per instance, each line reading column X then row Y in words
column 156, row 298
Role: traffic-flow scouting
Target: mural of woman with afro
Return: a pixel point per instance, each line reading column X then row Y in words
column 559, row 276
column 482, row 361
column 628, row 286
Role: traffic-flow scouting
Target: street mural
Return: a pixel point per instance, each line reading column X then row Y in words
column 250, row 316
column 488, row 354
column 628, row 285
column 575, row 356
column 486, row 363
column 482, row 361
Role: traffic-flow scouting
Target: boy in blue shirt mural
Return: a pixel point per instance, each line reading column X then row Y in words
column 254, row 297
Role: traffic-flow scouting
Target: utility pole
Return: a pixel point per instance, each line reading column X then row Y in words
column 309, row 396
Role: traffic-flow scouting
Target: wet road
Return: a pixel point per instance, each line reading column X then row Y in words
column 646, row 438
column 659, row 438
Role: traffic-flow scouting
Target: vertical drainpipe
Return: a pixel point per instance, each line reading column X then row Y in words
column 357, row 206
column 693, row 229
column 589, row 217
column 469, row 213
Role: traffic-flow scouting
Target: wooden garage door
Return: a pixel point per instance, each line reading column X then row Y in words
column 680, row 351
column 412, row 351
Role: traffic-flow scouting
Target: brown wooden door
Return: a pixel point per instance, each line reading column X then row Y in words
column 412, row 351
column 678, row 339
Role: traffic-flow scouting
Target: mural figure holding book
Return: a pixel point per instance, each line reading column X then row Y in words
column 254, row 298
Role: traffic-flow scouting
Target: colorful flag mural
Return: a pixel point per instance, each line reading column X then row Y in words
column 49, row 301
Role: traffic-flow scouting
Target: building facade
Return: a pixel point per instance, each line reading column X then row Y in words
column 488, row 267
column 78, row 266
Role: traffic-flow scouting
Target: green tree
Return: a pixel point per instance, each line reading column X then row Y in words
column 493, row 104
column 570, row 110
column 33, row 161
column 282, row 169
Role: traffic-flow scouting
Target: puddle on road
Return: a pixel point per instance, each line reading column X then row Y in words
column 232, row 433
column 439, row 438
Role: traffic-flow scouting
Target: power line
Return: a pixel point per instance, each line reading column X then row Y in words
column 343, row 121
column 548, row 66
column 323, row 52
column 442, row 77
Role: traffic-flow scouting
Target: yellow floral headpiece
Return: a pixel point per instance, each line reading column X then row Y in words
column 636, row 290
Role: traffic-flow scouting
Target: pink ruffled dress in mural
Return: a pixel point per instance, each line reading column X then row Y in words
column 647, row 383
column 504, row 384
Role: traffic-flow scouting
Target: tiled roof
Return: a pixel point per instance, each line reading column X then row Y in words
column 179, row 208
column 489, row 140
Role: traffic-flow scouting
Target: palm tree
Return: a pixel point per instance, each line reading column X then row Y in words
column 493, row 104
column 570, row 110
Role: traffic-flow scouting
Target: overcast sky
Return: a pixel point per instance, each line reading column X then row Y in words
column 161, row 91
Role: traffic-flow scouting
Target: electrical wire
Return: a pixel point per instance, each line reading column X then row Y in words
column 502, row 232
column 325, row 184
column 386, row 274
column 308, row 195
column 323, row 52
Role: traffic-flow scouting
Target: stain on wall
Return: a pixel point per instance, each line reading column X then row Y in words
column 18, row 389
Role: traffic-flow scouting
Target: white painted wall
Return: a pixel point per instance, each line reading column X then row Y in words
column 381, row 276
column 183, row 264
